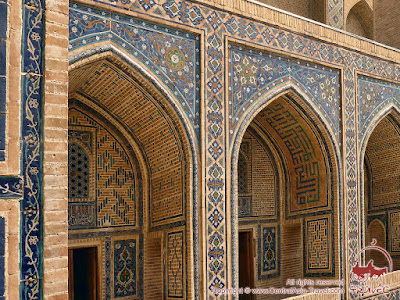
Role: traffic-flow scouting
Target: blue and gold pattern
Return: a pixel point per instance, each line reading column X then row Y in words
column 254, row 73
column 125, row 268
column 373, row 96
column 269, row 252
column 216, row 26
column 171, row 55
column 32, row 122
column 284, row 41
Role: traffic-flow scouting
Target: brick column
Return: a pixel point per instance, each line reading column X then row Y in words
column 55, row 160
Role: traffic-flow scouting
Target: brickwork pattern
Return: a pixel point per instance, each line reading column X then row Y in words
column 386, row 22
column 382, row 150
column 350, row 60
column 113, row 178
column 318, row 244
column 175, row 265
column 394, row 227
column 261, row 179
column 156, row 133
column 306, row 162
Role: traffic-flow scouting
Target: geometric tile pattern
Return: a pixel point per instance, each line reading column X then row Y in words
column 394, row 228
column 78, row 169
column 125, row 268
column 170, row 55
column 335, row 13
column 112, row 181
column 175, row 265
column 188, row 13
column 304, row 156
column 242, row 175
column 318, row 244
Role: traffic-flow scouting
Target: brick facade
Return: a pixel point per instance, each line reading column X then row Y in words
column 166, row 102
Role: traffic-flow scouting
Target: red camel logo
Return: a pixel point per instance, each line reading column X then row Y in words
column 370, row 271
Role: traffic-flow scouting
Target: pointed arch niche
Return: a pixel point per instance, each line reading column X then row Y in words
column 381, row 173
column 360, row 20
column 142, row 180
column 285, row 187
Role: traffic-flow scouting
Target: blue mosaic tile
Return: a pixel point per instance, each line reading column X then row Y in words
column 3, row 85
column 125, row 268
column 2, row 236
column 373, row 96
column 3, row 20
column 2, row 131
column 254, row 73
column 2, row 275
column 33, row 37
column 10, row 187
column 172, row 55
column 3, row 55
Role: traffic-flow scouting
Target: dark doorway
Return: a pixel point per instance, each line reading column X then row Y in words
column 246, row 262
column 82, row 274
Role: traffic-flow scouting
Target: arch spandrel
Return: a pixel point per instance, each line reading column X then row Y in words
column 375, row 98
column 171, row 56
column 255, row 75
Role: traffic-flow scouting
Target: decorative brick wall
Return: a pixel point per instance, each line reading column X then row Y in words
column 386, row 22
column 383, row 182
column 360, row 20
column 260, row 196
column 156, row 135
column 239, row 21
column 111, row 194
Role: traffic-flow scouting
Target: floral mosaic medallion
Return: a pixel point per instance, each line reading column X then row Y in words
column 125, row 268
column 175, row 59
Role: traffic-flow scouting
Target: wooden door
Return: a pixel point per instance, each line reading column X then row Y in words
column 82, row 274
column 246, row 262
column 70, row 274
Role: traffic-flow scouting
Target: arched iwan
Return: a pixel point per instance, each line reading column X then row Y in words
column 309, row 156
column 165, row 137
